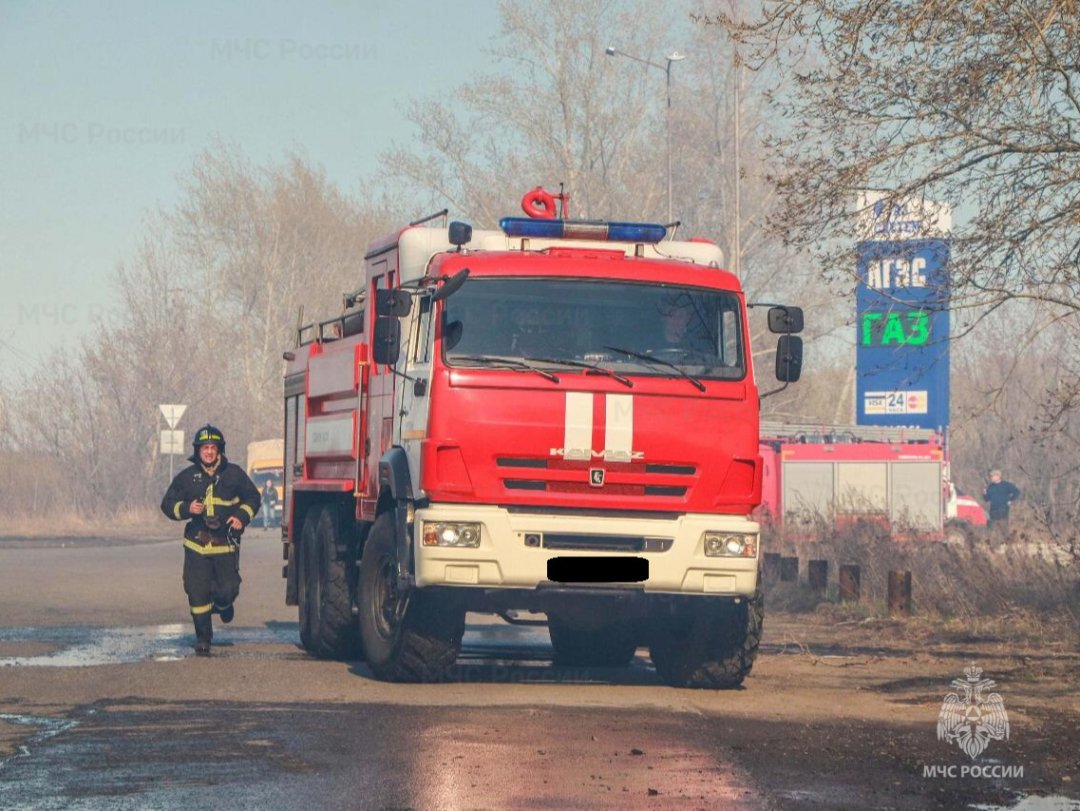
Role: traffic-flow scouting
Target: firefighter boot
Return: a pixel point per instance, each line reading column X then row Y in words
column 226, row 613
column 204, row 632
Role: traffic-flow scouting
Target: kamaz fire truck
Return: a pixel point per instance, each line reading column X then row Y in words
column 504, row 421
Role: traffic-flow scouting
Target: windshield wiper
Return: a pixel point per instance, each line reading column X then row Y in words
column 650, row 359
column 505, row 362
column 590, row 367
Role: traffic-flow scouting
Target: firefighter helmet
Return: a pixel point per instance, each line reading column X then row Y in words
column 206, row 435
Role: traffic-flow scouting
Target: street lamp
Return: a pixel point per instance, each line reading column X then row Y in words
column 674, row 56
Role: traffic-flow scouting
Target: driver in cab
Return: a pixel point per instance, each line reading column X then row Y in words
column 681, row 328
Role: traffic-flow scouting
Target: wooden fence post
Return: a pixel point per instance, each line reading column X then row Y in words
column 900, row 593
column 789, row 570
column 771, row 570
column 849, row 583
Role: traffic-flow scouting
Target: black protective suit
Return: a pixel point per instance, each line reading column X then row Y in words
column 211, row 549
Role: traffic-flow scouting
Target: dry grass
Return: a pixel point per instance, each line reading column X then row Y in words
column 133, row 523
column 33, row 486
column 38, row 502
column 1029, row 582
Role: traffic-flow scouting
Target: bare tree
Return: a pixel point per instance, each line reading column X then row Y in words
column 208, row 305
column 559, row 109
column 975, row 106
column 258, row 243
column 972, row 105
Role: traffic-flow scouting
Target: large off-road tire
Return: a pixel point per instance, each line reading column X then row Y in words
column 408, row 637
column 609, row 646
column 328, row 628
column 710, row 645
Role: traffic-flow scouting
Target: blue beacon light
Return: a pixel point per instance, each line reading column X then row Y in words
column 568, row 229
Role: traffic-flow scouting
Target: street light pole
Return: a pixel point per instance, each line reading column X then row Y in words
column 675, row 56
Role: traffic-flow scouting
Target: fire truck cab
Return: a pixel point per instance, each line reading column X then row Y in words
column 558, row 417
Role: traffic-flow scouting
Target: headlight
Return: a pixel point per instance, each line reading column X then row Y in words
column 730, row 545
column 450, row 533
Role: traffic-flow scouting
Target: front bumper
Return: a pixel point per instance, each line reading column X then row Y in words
column 675, row 552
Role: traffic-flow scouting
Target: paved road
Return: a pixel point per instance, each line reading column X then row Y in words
column 102, row 705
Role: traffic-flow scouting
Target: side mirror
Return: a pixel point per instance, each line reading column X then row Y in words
column 386, row 343
column 785, row 319
column 459, row 233
column 397, row 303
column 450, row 285
column 788, row 358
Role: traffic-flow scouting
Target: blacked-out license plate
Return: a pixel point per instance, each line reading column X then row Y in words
column 598, row 570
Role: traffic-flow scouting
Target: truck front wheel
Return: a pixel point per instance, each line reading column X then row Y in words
column 327, row 627
column 408, row 637
column 712, row 644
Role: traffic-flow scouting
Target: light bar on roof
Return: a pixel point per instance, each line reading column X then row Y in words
column 569, row 229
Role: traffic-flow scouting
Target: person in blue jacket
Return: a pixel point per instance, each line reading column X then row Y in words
column 998, row 496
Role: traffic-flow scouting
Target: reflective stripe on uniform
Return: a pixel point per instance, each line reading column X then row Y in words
column 247, row 508
column 202, row 609
column 206, row 550
column 211, row 501
column 176, row 510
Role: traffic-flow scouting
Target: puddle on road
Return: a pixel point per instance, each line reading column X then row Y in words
column 485, row 645
column 516, row 643
column 81, row 646
column 1033, row 802
column 47, row 728
column 84, row 646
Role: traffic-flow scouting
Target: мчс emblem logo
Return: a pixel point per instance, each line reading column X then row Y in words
column 973, row 716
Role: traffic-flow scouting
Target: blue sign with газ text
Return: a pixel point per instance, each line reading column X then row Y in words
column 902, row 326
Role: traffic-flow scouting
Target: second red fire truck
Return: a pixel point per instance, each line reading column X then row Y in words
column 557, row 416
column 822, row 477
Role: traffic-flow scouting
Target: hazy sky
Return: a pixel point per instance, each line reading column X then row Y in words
column 105, row 104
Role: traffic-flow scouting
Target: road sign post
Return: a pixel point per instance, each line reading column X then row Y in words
column 172, row 442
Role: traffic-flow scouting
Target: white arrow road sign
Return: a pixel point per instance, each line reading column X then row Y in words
column 172, row 413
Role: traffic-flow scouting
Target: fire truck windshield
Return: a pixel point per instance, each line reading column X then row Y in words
column 685, row 329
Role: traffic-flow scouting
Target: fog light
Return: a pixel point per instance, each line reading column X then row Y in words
column 730, row 545
column 446, row 533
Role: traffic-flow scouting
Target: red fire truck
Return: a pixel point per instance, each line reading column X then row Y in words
column 839, row 474
column 506, row 421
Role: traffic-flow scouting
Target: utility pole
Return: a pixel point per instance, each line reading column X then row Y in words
column 675, row 56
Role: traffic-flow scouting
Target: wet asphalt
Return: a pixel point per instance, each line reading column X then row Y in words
column 119, row 714
column 139, row 753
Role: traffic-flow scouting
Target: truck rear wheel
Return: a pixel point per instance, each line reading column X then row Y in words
column 327, row 627
column 608, row 646
column 408, row 637
column 712, row 645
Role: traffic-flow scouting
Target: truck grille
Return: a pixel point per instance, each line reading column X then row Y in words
column 572, row 476
column 603, row 543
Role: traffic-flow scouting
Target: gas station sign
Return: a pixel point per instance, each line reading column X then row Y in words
column 902, row 315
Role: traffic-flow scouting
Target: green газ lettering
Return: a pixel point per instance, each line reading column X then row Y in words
column 910, row 328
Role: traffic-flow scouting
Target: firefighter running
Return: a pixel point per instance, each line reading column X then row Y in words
column 218, row 500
